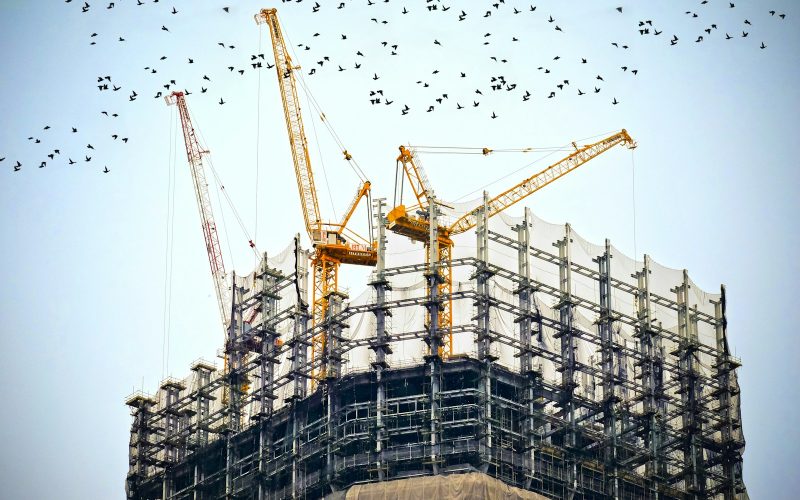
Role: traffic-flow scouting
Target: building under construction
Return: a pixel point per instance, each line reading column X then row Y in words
column 522, row 362
column 576, row 372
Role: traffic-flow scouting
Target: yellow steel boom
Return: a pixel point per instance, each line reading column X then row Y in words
column 362, row 192
column 294, row 125
column 331, row 248
column 540, row 180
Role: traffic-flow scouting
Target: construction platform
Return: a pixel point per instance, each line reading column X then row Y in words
column 578, row 373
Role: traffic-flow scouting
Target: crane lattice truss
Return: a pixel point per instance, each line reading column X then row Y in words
column 331, row 246
column 438, row 238
column 195, row 153
column 655, row 414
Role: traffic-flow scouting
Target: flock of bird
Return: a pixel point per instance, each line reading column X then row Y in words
column 558, row 82
column 480, row 86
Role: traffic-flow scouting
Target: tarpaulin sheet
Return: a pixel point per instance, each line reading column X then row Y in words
column 473, row 485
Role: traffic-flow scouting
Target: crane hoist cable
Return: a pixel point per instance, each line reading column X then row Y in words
column 324, row 118
column 315, row 105
column 551, row 151
column 322, row 166
column 506, row 176
column 633, row 202
column 485, row 151
column 225, row 228
column 332, row 131
column 221, row 187
column 258, row 145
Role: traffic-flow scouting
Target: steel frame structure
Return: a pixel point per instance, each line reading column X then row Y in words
column 670, row 430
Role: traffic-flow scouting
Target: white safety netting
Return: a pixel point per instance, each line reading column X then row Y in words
column 664, row 284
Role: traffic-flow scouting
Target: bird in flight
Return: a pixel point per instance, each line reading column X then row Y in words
column 106, row 170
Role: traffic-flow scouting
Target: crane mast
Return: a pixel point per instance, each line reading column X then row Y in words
column 194, row 153
column 418, row 228
column 331, row 247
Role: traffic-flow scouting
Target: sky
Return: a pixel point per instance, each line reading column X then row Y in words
column 106, row 286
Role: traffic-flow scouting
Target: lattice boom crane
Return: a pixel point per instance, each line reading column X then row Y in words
column 331, row 247
column 194, row 153
column 418, row 228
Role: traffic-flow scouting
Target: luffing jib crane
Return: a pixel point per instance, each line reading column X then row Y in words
column 195, row 153
column 417, row 228
column 331, row 247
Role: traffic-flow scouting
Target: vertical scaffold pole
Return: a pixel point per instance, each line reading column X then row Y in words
column 605, row 323
column 380, row 346
column 528, row 326
column 202, row 411
column 233, row 355
column 267, row 361
column 651, row 375
column 434, row 337
column 300, row 370
column 171, row 420
column 485, row 356
column 333, row 357
column 140, row 443
column 730, row 418
column 693, row 472
column 568, row 347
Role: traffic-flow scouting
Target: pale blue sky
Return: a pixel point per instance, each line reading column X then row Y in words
column 83, row 253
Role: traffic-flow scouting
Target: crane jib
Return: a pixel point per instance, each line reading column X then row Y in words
column 194, row 155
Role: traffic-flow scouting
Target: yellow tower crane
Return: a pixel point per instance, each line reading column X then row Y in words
column 331, row 246
column 417, row 228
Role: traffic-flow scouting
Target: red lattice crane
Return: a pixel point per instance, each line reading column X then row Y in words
column 195, row 153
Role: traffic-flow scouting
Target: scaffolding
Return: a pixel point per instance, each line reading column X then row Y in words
column 580, row 373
